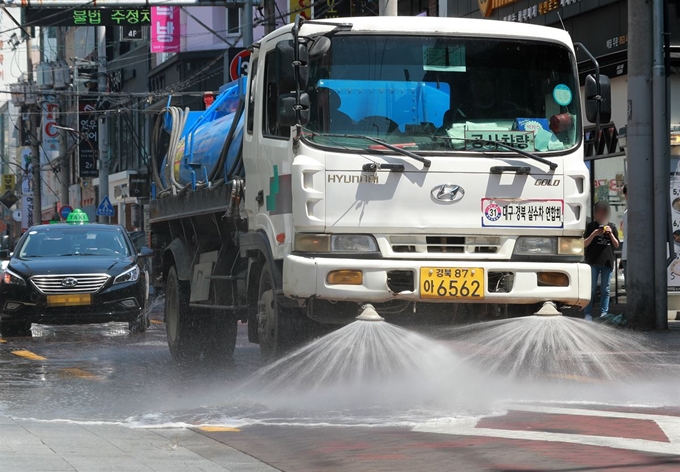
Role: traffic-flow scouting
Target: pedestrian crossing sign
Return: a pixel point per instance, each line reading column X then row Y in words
column 105, row 208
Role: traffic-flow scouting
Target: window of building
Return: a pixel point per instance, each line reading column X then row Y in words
column 233, row 20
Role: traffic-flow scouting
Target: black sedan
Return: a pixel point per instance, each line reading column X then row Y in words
column 73, row 274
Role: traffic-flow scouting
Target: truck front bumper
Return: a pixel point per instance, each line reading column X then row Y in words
column 306, row 277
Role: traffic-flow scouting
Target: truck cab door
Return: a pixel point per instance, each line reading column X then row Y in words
column 268, row 156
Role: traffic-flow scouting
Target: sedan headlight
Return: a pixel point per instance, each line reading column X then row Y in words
column 338, row 243
column 548, row 246
column 12, row 278
column 130, row 275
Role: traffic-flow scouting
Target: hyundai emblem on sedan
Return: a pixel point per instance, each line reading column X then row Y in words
column 448, row 193
column 69, row 282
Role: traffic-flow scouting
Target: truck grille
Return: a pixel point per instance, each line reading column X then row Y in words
column 445, row 244
column 81, row 283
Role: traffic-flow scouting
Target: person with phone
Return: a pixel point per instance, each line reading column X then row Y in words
column 600, row 243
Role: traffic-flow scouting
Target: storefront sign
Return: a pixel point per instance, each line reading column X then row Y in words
column 302, row 8
column 88, row 17
column 486, row 7
column 8, row 183
column 165, row 29
column 88, row 147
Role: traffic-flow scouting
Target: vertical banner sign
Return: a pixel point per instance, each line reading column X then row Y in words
column 674, row 268
column 50, row 132
column 26, row 189
column 165, row 29
column 88, row 147
column 302, row 8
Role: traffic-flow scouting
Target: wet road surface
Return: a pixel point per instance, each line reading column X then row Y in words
column 98, row 381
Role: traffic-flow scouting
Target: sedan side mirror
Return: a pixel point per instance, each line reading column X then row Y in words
column 5, row 255
column 145, row 252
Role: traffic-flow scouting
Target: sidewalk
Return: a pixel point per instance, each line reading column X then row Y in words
column 50, row 447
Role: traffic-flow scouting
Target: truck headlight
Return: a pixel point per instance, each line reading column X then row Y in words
column 12, row 278
column 535, row 246
column 338, row 243
column 550, row 246
column 570, row 246
column 130, row 275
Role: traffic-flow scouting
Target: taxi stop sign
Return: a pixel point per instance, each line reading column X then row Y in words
column 77, row 217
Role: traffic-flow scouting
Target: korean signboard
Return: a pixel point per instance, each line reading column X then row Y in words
column 26, row 189
column 88, row 147
column 89, row 17
column 50, row 132
column 8, row 183
column 165, row 29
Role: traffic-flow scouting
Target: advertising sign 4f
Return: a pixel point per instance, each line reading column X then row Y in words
column 165, row 29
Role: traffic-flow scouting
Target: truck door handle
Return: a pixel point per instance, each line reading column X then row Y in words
column 260, row 198
column 522, row 170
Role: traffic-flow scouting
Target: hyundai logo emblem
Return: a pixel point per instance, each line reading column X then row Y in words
column 448, row 193
column 69, row 282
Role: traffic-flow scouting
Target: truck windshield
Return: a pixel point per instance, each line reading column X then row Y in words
column 437, row 93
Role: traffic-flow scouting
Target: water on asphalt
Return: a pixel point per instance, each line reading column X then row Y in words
column 367, row 373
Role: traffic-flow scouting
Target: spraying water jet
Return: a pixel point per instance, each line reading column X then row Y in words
column 548, row 309
column 368, row 313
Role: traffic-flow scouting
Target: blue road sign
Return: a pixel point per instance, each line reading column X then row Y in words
column 65, row 211
column 105, row 208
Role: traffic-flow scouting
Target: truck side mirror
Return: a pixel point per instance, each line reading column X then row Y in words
column 286, row 78
column 598, row 99
column 287, row 111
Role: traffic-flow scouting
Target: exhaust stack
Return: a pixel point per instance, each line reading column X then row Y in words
column 548, row 309
column 368, row 313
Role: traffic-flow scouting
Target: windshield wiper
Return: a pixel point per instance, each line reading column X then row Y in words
column 542, row 160
column 372, row 167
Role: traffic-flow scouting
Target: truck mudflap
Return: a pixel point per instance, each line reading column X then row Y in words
column 436, row 281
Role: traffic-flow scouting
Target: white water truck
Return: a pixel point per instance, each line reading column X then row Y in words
column 416, row 165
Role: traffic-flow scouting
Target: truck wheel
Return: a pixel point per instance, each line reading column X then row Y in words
column 10, row 329
column 181, row 342
column 275, row 323
column 218, row 335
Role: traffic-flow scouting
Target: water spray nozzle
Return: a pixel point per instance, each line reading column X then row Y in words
column 368, row 313
column 548, row 309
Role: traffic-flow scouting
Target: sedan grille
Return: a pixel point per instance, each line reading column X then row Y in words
column 80, row 283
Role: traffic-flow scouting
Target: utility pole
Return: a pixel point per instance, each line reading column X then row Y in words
column 388, row 8
column 270, row 15
column 34, row 112
column 102, row 79
column 661, row 167
column 64, row 163
column 247, row 23
column 641, row 268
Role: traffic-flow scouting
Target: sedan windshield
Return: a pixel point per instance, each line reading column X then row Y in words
column 435, row 93
column 75, row 241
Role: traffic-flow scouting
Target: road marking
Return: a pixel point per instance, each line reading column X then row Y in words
column 29, row 355
column 156, row 322
column 468, row 427
column 75, row 372
column 219, row 429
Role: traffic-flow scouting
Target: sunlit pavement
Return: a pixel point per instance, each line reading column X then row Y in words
column 97, row 398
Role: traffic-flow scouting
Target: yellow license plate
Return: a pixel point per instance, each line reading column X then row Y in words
column 76, row 299
column 452, row 283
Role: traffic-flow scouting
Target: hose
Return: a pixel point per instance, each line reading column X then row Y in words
column 227, row 143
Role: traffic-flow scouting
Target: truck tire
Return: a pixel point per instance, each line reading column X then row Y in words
column 275, row 323
column 179, row 325
column 10, row 329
